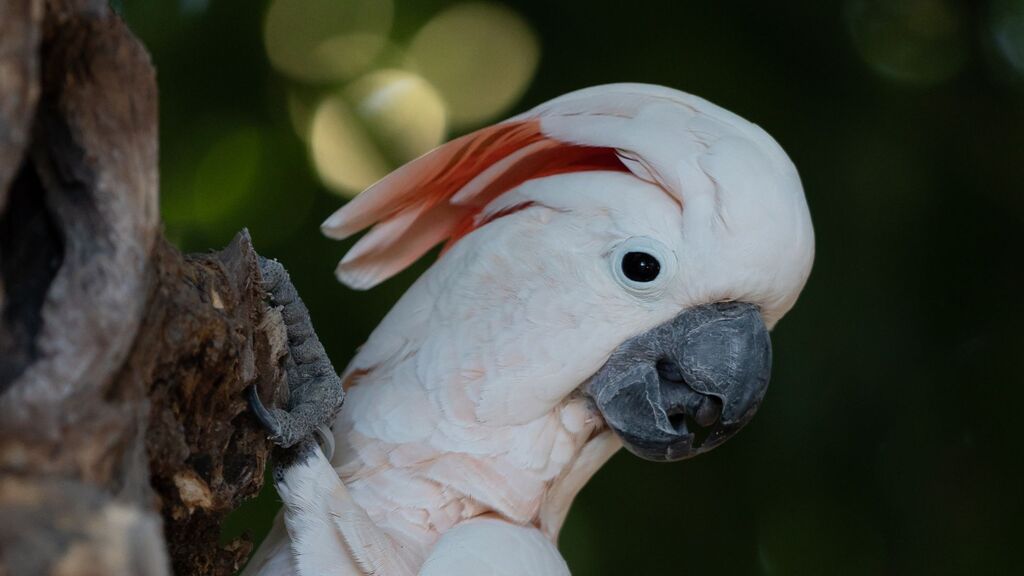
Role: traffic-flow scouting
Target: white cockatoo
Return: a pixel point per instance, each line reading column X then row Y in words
column 613, row 260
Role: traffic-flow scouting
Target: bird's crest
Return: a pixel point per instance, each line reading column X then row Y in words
column 439, row 196
column 660, row 135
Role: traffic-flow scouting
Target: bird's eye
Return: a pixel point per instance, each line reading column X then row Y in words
column 642, row 265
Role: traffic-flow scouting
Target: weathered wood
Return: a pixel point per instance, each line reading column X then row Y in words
column 206, row 337
column 124, row 434
column 19, row 71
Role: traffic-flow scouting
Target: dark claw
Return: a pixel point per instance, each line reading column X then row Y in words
column 263, row 415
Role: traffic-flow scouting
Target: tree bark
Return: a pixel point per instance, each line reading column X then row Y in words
column 125, row 438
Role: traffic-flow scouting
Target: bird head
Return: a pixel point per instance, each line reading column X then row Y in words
column 628, row 243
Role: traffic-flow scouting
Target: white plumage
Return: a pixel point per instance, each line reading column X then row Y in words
column 462, row 441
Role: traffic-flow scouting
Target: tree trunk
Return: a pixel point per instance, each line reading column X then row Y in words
column 124, row 433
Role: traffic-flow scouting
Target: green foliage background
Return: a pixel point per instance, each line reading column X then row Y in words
column 891, row 439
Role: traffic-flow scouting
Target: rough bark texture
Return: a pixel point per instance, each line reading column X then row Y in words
column 124, row 434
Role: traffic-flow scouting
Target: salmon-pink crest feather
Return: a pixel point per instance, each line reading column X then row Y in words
column 438, row 196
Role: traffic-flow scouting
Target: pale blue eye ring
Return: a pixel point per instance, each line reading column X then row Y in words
column 643, row 265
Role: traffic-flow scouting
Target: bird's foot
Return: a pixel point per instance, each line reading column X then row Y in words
column 315, row 394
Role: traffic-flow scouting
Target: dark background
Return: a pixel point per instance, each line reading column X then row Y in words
column 891, row 439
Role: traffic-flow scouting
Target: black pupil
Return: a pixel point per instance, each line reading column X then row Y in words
column 640, row 266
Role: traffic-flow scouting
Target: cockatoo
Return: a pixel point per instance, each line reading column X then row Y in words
column 613, row 261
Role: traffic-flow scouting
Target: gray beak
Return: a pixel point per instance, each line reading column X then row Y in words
column 688, row 385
